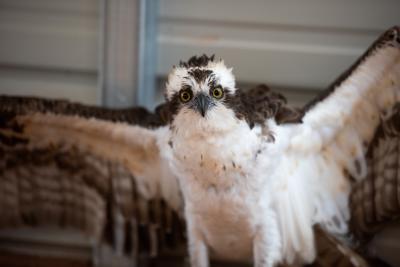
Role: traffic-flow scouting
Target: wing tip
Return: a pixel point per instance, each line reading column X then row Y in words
column 391, row 36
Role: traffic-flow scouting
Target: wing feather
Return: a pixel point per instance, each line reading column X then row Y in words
column 94, row 169
column 375, row 201
column 344, row 120
column 260, row 103
column 355, row 103
column 326, row 153
column 357, row 121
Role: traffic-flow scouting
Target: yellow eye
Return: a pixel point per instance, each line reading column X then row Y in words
column 218, row 92
column 185, row 95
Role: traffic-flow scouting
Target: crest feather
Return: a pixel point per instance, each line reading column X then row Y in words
column 196, row 61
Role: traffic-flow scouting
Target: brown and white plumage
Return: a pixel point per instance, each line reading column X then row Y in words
column 376, row 199
column 71, row 165
column 352, row 126
column 68, row 164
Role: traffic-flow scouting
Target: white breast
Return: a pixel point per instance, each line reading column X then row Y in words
column 216, row 173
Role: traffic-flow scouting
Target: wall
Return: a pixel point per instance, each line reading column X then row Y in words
column 300, row 46
column 49, row 48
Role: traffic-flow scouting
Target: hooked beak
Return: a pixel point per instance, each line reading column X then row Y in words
column 202, row 103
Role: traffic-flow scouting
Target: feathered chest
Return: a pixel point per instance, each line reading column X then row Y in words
column 216, row 161
column 222, row 193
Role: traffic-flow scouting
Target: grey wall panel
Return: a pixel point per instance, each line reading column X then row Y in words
column 49, row 83
column 50, row 48
column 287, row 43
column 49, row 34
column 331, row 14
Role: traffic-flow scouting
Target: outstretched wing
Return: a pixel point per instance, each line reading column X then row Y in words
column 366, row 141
column 94, row 169
column 375, row 200
column 326, row 154
column 351, row 110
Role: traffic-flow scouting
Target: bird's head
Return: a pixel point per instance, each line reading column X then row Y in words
column 199, row 92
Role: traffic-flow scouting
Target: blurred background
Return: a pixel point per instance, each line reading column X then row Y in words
column 117, row 53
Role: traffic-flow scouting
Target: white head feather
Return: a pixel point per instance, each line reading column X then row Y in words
column 180, row 76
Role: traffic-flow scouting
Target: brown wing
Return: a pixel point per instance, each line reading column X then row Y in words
column 375, row 119
column 90, row 168
column 375, row 201
column 260, row 103
column 12, row 106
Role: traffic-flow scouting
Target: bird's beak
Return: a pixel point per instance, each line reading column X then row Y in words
column 202, row 103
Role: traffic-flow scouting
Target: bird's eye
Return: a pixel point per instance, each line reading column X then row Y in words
column 217, row 92
column 185, row 95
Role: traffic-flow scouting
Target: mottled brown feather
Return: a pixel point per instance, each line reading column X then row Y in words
column 375, row 201
column 260, row 103
column 63, row 185
column 12, row 106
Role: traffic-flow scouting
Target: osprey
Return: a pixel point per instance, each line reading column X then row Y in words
column 253, row 178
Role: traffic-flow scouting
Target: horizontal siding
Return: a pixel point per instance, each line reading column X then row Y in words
column 49, row 83
column 334, row 14
column 50, row 48
column 295, row 44
column 49, row 34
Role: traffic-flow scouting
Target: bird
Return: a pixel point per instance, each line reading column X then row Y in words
column 250, row 178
